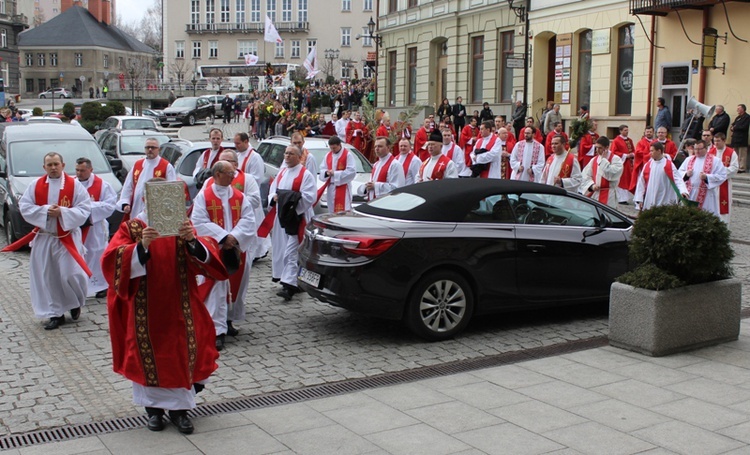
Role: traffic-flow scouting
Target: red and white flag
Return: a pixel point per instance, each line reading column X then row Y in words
column 251, row 59
column 311, row 63
column 272, row 35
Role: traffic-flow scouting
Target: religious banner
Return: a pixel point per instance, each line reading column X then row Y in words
column 165, row 203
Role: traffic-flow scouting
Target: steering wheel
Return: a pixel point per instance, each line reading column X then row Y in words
column 522, row 211
column 537, row 216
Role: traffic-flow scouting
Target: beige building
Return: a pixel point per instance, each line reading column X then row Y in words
column 100, row 55
column 221, row 32
column 446, row 49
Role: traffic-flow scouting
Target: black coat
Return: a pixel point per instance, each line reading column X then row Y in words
column 286, row 210
column 740, row 128
column 720, row 123
column 459, row 120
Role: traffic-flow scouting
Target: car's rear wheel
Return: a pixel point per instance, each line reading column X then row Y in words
column 42, row 97
column 10, row 235
column 62, row 96
column 440, row 306
column 191, row 120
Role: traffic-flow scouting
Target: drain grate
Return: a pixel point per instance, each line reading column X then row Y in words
column 308, row 393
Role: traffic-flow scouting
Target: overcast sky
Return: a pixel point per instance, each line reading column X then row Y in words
column 133, row 10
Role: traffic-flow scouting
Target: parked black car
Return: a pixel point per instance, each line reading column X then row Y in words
column 189, row 110
column 435, row 254
column 22, row 151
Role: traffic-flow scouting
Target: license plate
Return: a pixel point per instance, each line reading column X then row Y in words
column 170, row 119
column 306, row 276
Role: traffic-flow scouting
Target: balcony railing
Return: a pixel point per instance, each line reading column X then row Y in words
column 245, row 27
column 663, row 7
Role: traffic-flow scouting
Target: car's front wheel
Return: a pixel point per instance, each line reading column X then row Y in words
column 62, row 96
column 191, row 120
column 10, row 236
column 440, row 306
column 42, row 97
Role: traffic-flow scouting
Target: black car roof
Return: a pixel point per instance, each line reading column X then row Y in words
column 450, row 199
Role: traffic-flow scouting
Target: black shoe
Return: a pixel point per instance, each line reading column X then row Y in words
column 623, row 203
column 220, row 342
column 155, row 422
column 275, row 280
column 231, row 331
column 75, row 313
column 101, row 294
column 198, row 388
column 284, row 292
column 54, row 323
column 181, row 421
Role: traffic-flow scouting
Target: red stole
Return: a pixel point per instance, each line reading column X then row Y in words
column 159, row 171
column 95, row 191
column 493, row 137
column 247, row 159
column 647, row 172
column 267, row 224
column 383, row 172
column 603, row 183
column 536, row 148
column 64, row 199
column 703, row 188
column 215, row 210
column 407, row 162
column 339, row 197
column 565, row 170
column 726, row 160
column 207, row 154
column 438, row 171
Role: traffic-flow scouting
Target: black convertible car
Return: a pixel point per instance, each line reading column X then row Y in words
column 437, row 253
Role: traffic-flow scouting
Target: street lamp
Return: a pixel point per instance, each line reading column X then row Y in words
column 371, row 32
column 131, row 72
column 193, row 82
column 331, row 55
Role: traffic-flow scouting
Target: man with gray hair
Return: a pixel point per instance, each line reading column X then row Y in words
column 133, row 190
column 222, row 212
column 551, row 119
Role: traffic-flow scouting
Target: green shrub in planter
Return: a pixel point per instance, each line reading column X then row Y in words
column 90, row 110
column 677, row 246
column 117, row 107
column 69, row 110
column 37, row 112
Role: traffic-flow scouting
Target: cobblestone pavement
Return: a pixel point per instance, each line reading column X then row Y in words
column 49, row 379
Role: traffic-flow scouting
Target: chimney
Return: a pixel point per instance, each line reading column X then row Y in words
column 95, row 8
column 65, row 5
column 106, row 12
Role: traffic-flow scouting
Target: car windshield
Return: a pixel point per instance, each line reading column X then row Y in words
column 25, row 159
column 184, row 102
column 361, row 164
column 133, row 145
column 138, row 124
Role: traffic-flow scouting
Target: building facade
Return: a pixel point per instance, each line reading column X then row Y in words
column 12, row 23
column 221, row 32
column 98, row 55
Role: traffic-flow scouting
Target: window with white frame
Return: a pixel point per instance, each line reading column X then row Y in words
column 346, row 36
column 196, row 49
column 286, row 10
column 310, row 44
column 179, row 49
column 367, row 72
column 29, row 59
column 2, row 7
column 367, row 5
column 210, row 11
column 195, row 11
column 105, row 63
column 239, row 13
column 302, row 11
column 3, row 38
column 279, row 50
column 53, row 59
column 346, row 5
column 79, row 59
column 247, row 47
column 224, row 10
column 295, row 48
column 213, row 49
column 271, row 9
column 254, row 10
column 346, row 72
column 366, row 40
column 40, row 59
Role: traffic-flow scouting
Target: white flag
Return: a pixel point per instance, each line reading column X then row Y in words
column 311, row 63
column 251, row 59
column 272, row 35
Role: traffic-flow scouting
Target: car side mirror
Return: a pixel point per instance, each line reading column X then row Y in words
column 110, row 153
column 116, row 165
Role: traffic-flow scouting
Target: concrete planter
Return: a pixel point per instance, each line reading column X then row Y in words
column 659, row 323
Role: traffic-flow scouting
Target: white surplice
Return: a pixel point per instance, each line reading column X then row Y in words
column 253, row 166
column 658, row 191
column 552, row 170
column 410, row 176
column 451, row 171
column 491, row 156
column 340, row 177
column 394, row 178
column 732, row 169
column 98, row 235
column 522, row 155
column 139, row 192
column 608, row 168
column 244, row 231
column 716, row 176
column 57, row 282
column 285, row 254
column 212, row 155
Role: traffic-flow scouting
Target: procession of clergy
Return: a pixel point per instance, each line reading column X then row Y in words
column 173, row 300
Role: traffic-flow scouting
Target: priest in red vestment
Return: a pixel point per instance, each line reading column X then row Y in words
column 161, row 333
column 642, row 155
column 586, row 146
column 623, row 147
column 356, row 135
column 420, row 140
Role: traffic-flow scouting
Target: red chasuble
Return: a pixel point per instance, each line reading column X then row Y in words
column 622, row 147
column 161, row 332
column 726, row 160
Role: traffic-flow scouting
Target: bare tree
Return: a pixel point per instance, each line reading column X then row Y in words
column 39, row 17
column 148, row 30
column 179, row 68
